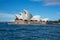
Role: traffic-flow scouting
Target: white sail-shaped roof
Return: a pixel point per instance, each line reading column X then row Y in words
column 45, row 19
column 17, row 16
column 37, row 17
column 27, row 15
column 20, row 16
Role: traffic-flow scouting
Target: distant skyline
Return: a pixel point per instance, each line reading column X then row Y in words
column 45, row 8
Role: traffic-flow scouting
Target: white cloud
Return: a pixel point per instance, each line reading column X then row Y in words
column 49, row 2
column 7, row 17
column 36, row 0
column 58, row 13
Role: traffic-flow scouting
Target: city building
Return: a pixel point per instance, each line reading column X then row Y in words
column 27, row 18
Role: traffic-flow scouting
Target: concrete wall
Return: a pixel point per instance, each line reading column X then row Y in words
column 28, row 22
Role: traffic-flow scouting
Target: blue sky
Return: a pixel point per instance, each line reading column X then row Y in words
column 45, row 8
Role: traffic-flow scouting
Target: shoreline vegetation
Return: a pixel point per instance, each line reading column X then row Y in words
column 54, row 22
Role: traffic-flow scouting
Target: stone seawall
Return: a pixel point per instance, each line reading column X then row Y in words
column 28, row 22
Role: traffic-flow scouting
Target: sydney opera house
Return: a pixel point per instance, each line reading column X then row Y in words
column 27, row 18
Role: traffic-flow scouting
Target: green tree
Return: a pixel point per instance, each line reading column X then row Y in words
column 59, row 20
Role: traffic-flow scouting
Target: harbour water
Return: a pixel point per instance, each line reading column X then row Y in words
column 29, row 32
